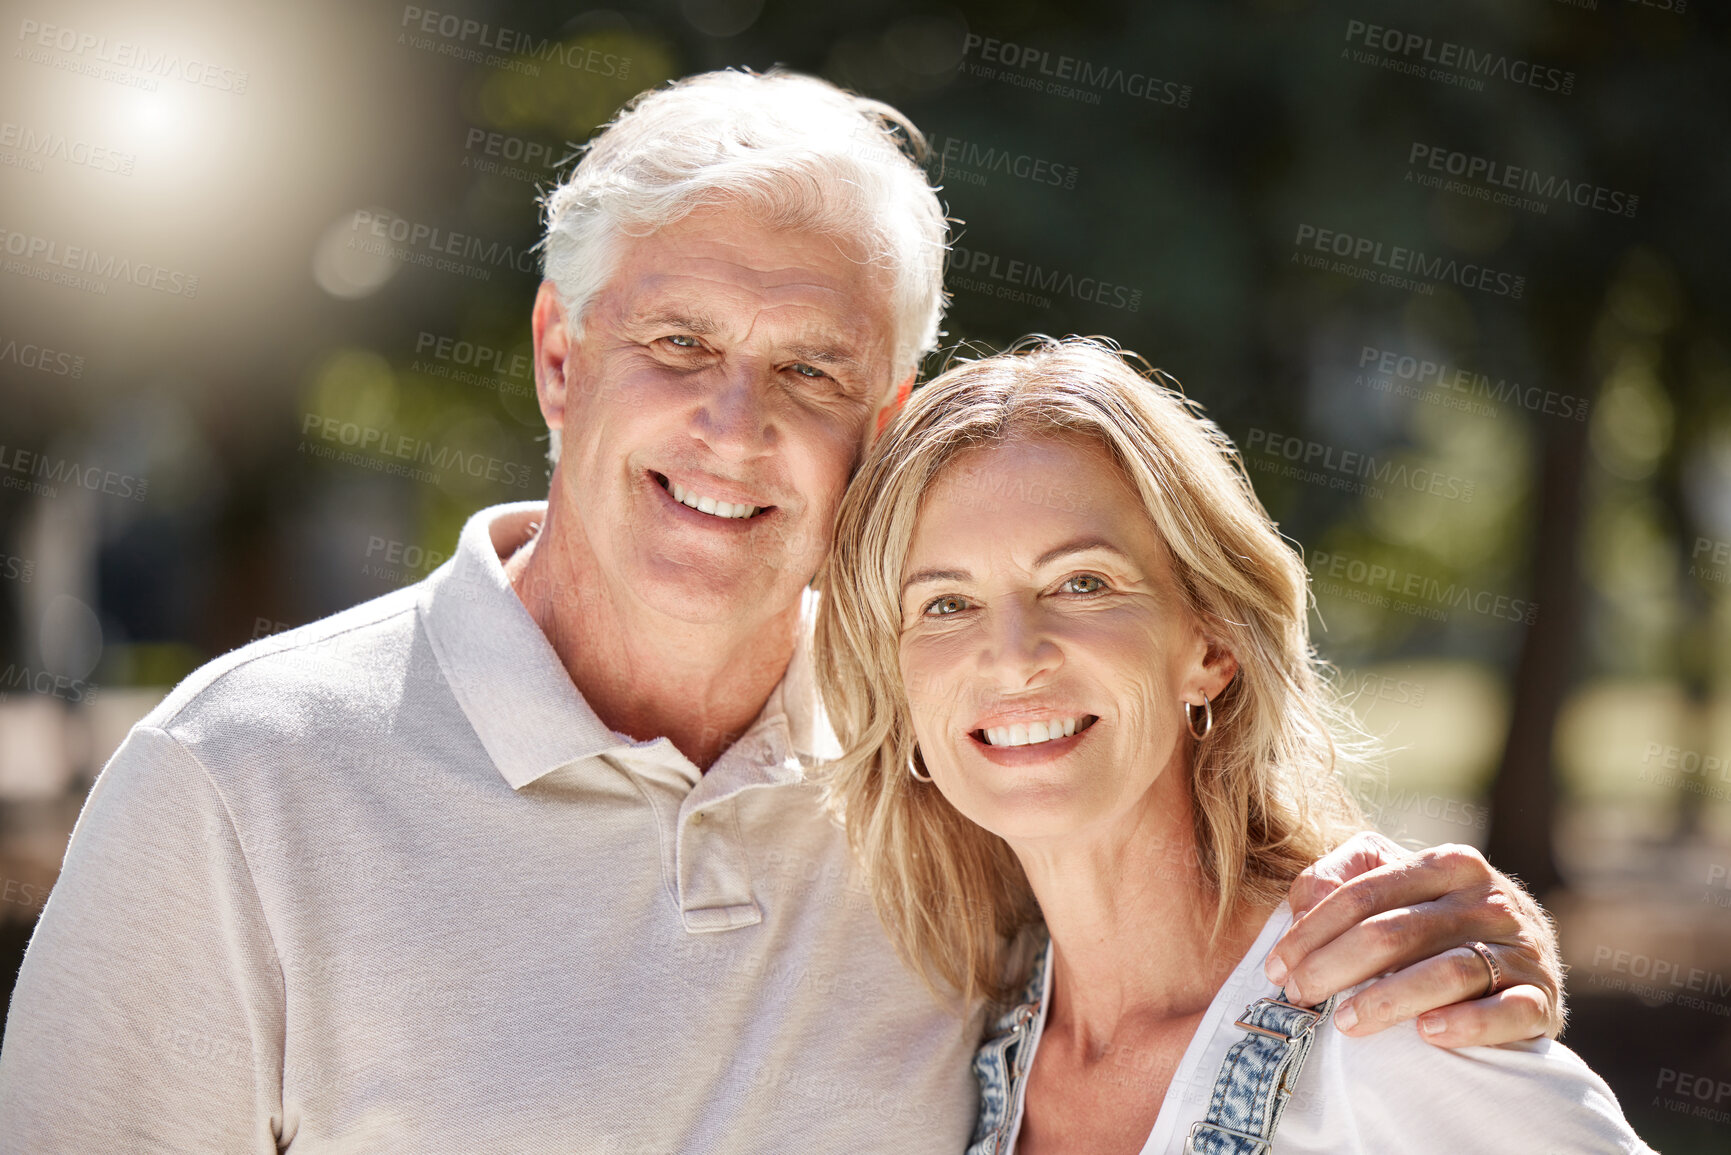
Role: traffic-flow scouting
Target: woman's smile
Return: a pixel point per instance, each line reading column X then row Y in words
column 1036, row 733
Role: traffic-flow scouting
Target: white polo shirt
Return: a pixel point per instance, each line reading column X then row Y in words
column 386, row 883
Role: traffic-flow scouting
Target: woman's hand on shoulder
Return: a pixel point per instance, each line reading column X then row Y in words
column 1371, row 908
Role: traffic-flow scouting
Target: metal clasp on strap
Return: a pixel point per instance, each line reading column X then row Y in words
column 1190, row 1143
column 1314, row 1013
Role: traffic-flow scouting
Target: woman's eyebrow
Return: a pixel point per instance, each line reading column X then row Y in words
column 936, row 575
column 1080, row 545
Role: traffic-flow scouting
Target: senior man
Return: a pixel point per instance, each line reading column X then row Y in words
column 525, row 857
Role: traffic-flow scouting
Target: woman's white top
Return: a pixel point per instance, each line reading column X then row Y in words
column 1391, row 1091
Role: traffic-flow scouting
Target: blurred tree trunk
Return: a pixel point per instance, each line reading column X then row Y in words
column 1694, row 637
column 1524, row 795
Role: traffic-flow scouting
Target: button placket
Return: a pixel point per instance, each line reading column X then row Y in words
column 714, row 879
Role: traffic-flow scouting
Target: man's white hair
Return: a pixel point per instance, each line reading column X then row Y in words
column 795, row 151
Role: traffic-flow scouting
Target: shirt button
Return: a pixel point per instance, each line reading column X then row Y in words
column 697, row 817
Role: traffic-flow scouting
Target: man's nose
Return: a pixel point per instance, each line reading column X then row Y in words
column 734, row 420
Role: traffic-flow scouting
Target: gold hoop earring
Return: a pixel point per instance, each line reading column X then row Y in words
column 1207, row 719
column 915, row 770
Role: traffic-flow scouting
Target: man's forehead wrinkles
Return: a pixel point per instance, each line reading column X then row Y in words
column 687, row 294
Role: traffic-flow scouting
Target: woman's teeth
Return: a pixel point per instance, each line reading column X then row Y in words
column 1031, row 733
column 708, row 504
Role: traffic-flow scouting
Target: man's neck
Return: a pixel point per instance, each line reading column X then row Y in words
column 644, row 674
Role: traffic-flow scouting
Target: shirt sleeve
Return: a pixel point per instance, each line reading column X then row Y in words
column 148, row 1014
column 1393, row 1091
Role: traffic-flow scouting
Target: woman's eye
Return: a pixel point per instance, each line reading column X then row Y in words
column 683, row 341
column 945, row 606
column 808, row 371
column 1085, row 583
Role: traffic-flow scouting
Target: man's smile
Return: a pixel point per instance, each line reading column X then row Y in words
column 711, row 500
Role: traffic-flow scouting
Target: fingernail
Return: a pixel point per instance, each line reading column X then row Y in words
column 1346, row 1017
column 1432, row 1024
column 1275, row 970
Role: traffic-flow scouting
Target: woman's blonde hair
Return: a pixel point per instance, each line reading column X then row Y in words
column 1267, row 801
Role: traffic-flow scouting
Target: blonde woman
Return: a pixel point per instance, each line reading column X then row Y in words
column 1087, row 748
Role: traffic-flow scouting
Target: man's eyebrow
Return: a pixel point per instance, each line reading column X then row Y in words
column 1080, row 545
column 824, row 353
column 936, row 575
column 694, row 323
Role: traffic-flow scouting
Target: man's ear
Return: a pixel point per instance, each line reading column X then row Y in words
column 892, row 406
column 555, row 354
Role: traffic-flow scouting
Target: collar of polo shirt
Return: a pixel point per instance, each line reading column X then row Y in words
column 522, row 704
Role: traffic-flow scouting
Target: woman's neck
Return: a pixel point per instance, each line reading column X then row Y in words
column 1132, row 920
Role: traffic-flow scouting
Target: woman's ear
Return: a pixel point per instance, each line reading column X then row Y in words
column 1216, row 669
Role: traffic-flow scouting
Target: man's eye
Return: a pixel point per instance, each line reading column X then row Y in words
column 807, row 371
column 1084, row 583
column 945, row 606
column 683, row 341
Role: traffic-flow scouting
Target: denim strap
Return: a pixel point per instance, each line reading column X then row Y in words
column 1001, row 1064
column 1257, row 1078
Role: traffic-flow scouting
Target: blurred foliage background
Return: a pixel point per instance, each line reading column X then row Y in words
column 1452, row 278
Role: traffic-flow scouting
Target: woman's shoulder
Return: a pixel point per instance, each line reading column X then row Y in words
column 1392, row 1090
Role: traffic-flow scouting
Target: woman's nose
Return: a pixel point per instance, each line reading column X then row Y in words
column 1020, row 650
